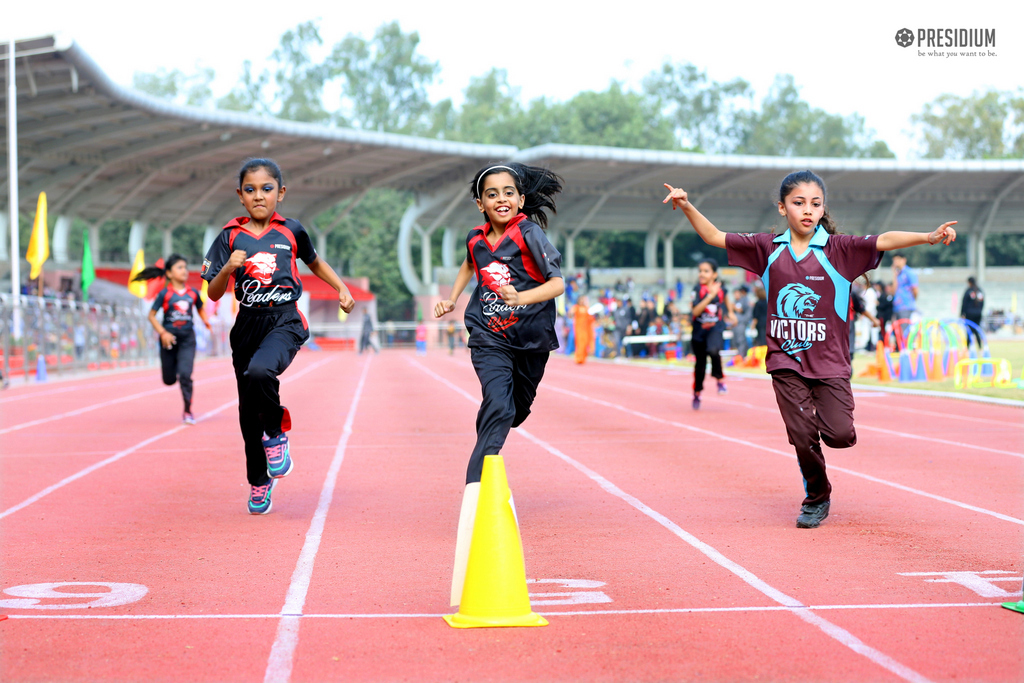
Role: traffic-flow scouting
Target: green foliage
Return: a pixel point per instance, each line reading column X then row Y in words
column 703, row 113
column 174, row 85
column 785, row 125
column 365, row 245
column 984, row 125
column 383, row 80
column 248, row 95
column 300, row 81
column 1004, row 250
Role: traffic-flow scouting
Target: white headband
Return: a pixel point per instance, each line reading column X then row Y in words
column 486, row 171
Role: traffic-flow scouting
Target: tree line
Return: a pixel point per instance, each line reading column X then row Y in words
column 380, row 83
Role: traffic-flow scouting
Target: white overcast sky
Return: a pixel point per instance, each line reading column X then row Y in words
column 842, row 54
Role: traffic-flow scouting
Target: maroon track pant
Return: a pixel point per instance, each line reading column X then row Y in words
column 815, row 410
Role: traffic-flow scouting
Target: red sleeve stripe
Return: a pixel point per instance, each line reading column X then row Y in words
column 473, row 239
column 528, row 261
column 291, row 240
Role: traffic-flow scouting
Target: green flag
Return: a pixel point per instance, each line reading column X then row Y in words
column 88, row 271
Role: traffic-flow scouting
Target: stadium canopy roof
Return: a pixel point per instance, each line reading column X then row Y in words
column 102, row 151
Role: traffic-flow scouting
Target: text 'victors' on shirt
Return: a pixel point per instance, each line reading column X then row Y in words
column 525, row 259
column 270, row 276
column 808, row 296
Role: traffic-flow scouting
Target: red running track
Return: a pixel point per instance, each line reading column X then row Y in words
column 660, row 542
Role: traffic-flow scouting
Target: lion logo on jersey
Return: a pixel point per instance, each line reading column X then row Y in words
column 261, row 266
column 797, row 301
column 495, row 276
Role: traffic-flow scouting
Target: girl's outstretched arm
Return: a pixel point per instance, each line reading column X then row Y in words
column 891, row 241
column 166, row 338
column 323, row 270
column 707, row 231
column 461, row 280
column 202, row 314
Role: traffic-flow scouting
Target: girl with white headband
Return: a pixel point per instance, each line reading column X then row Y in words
column 511, row 313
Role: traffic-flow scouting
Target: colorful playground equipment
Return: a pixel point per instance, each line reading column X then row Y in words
column 933, row 350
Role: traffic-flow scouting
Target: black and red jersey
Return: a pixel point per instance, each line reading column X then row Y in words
column 525, row 259
column 270, row 276
column 177, row 305
column 714, row 313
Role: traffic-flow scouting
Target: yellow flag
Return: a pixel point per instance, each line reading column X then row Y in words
column 140, row 288
column 342, row 315
column 39, row 243
column 204, row 292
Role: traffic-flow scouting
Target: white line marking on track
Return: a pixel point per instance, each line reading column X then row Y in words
column 104, row 404
column 566, row 613
column 751, row 444
column 142, row 444
column 792, row 604
column 279, row 665
column 860, row 423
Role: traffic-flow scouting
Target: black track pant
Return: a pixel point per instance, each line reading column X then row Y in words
column 702, row 348
column 508, row 380
column 263, row 343
column 176, row 363
column 815, row 410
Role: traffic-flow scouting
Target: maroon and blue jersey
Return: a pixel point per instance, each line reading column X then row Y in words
column 808, row 296
column 177, row 306
column 525, row 259
column 270, row 276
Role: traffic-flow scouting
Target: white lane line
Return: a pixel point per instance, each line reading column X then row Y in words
column 567, row 613
column 839, row 634
column 142, row 444
column 751, row 444
column 282, row 654
column 104, row 404
column 860, row 423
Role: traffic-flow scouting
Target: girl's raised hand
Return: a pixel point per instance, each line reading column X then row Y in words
column 944, row 233
column 678, row 197
column 442, row 307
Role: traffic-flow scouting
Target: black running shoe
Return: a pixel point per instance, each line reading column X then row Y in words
column 811, row 516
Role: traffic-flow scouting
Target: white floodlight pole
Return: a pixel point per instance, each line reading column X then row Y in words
column 12, row 183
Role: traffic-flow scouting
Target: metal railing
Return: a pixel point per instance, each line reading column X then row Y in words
column 73, row 336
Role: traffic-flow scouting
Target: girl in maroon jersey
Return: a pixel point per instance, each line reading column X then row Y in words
column 259, row 251
column 511, row 313
column 808, row 272
column 177, row 336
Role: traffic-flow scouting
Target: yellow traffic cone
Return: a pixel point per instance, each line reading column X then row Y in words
column 495, row 593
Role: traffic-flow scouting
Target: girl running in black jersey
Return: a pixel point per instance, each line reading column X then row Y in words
column 259, row 251
column 177, row 335
column 511, row 313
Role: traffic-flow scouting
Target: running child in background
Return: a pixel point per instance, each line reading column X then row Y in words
column 710, row 307
column 260, row 252
column 511, row 313
column 807, row 272
column 177, row 301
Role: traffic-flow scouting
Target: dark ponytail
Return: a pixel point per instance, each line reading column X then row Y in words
column 537, row 185
column 790, row 182
column 154, row 272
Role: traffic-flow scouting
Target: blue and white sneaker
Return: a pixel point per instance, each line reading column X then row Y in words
column 279, row 462
column 259, row 498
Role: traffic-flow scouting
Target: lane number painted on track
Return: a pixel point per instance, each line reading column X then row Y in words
column 981, row 583
column 582, row 593
column 50, row 595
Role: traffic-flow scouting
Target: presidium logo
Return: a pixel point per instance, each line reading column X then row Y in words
column 947, row 38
